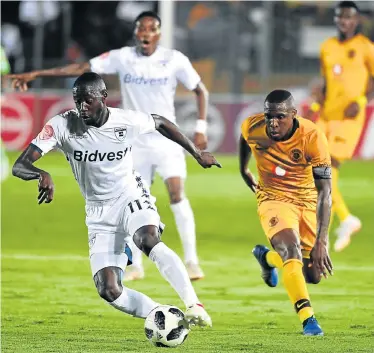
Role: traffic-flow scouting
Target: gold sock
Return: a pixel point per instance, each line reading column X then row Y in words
column 338, row 202
column 273, row 259
column 294, row 282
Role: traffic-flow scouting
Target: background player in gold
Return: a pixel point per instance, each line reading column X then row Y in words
column 347, row 66
column 294, row 198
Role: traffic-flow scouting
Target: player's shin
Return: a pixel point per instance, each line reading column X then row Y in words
column 273, row 259
column 294, row 282
column 134, row 303
column 185, row 222
column 173, row 270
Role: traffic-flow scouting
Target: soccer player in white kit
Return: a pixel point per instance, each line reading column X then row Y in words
column 148, row 76
column 97, row 142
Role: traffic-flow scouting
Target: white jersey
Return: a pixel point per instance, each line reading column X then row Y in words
column 100, row 158
column 148, row 83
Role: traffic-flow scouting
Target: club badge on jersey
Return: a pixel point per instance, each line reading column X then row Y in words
column 120, row 133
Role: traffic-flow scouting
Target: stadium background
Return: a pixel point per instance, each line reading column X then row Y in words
column 241, row 50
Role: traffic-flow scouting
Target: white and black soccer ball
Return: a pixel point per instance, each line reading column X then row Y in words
column 165, row 326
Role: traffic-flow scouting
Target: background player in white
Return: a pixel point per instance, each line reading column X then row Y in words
column 148, row 76
column 97, row 142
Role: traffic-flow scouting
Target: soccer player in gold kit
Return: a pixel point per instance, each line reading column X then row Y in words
column 347, row 67
column 294, row 198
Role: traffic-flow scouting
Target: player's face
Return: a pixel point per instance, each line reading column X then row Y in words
column 346, row 20
column 279, row 123
column 147, row 34
column 89, row 106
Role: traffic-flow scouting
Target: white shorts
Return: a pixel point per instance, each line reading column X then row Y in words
column 112, row 223
column 154, row 153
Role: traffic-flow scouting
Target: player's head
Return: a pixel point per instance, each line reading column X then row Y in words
column 280, row 111
column 147, row 32
column 347, row 17
column 90, row 93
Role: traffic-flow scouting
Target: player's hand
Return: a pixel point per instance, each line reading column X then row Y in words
column 352, row 110
column 200, row 140
column 250, row 180
column 319, row 257
column 46, row 188
column 19, row 81
column 206, row 160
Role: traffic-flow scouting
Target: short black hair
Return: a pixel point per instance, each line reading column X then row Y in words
column 278, row 96
column 348, row 4
column 91, row 79
column 148, row 14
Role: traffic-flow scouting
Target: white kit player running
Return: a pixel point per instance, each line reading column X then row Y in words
column 97, row 141
column 149, row 75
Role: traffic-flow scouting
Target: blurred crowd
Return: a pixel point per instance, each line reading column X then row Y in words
column 224, row 39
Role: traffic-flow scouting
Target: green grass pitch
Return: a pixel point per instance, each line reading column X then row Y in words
column 49, row 302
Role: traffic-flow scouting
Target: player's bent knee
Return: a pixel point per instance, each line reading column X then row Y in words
column 175, row 196
column 287, row 245
column 145, row 238
column 109, row 292
column 108, row 283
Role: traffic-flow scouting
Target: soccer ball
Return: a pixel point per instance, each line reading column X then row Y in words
column 165, row 326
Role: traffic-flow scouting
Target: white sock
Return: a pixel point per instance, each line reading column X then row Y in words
column 134, row 303
column 137, row 255
column 173, row 270
column 185, row 222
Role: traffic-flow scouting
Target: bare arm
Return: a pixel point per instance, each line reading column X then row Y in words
column 245, row 154
column 323, row 204
column 20, row 80
column 68, row 70
column 319, row 255
column 171, row 131
column 24, row 169
column 202, row 96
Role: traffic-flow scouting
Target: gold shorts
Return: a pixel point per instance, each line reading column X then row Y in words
column 276, row 216
column 343, row 135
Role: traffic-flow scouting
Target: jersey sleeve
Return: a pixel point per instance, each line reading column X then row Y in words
column 144, row 123
column 49, row 138
column 317, row 151
column 186, row 73
column 106, row 63
column 245, row 128
column 370, row 58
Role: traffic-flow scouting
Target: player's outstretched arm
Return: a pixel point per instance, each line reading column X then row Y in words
column 245, row 154
column 24, row 169
column 171, row 131
column 202, row 97
column 19, row 81
column 319, row 254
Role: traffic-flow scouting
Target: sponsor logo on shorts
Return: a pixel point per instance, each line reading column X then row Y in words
column 273, row 221
column 296, row 155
